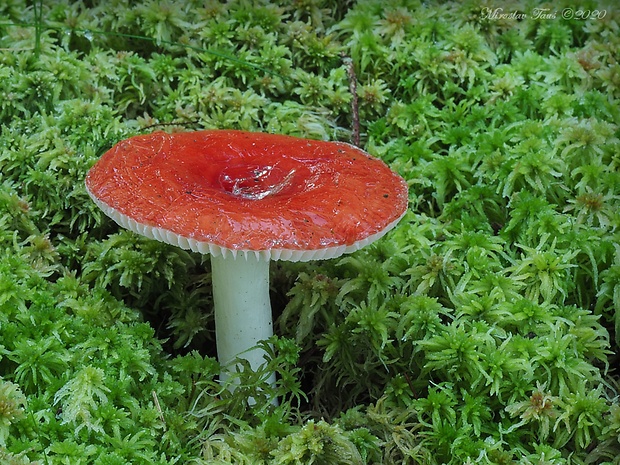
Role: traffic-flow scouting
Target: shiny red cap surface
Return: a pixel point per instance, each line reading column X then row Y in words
column 245, row 191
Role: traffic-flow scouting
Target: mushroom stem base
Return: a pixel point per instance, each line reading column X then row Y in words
column 242, row 310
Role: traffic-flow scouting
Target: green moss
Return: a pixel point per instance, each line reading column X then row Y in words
column 485, row 328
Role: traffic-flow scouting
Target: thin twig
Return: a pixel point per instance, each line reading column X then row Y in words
column 355, row 115
column 161, row 413
column 38, row 19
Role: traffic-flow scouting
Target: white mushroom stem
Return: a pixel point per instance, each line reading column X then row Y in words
column 242, row 310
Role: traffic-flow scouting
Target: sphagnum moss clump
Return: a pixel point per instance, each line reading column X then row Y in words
column 483, row 329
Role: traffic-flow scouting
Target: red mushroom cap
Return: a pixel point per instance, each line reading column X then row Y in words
column 280, row 197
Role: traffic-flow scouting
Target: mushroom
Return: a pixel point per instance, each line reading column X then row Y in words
column 247, row 198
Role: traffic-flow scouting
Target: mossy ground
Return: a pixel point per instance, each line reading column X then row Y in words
column 483, row 329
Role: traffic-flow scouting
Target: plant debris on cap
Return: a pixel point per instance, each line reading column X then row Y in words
column 230, row 192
